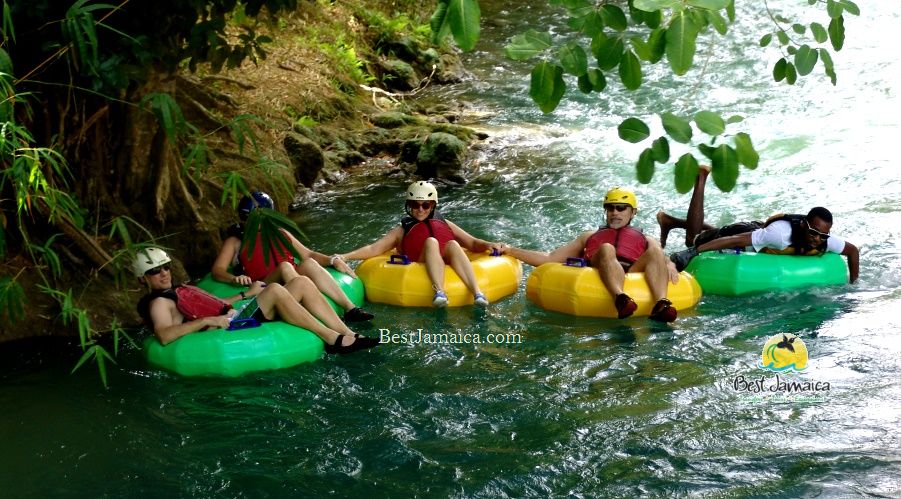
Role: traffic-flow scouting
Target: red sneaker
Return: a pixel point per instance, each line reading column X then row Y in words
column 625, row 306
column 663, row 311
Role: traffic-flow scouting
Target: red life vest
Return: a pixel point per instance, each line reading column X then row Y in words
column 629, row 242
column 255, row 265
column 415, row 234
column 193, row 303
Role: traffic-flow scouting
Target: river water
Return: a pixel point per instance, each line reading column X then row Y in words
column 570, row 406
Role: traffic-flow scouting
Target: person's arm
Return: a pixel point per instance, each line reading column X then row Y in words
column 167, row 330
column 571, row 249
column 853, row 255
column 302, row 250
column 738, row 240
column 471, row 242
column 223, row 262
column 379, row 247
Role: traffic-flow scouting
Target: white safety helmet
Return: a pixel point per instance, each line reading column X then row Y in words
column 147, row 259
column 422, row 191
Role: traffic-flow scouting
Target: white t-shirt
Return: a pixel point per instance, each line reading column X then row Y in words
column 778, row 236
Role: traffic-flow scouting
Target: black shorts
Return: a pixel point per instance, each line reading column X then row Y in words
column 726, row 231
column 258, row 315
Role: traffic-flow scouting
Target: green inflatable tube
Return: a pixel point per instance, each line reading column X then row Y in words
column 744, row 273
column 218, row 352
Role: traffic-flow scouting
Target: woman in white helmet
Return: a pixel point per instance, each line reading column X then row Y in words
column 425, row 236
column 172, row 310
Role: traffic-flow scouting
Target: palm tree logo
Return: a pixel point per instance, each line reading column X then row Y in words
column 784, row 352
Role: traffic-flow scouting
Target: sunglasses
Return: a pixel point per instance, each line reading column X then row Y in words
column 425, row 205
column 616, row 207
column 157, row 270
column 815, row 233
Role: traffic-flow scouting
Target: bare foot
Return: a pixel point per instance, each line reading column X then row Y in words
column 666, row 223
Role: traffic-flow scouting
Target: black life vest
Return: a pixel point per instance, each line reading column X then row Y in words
column 798, row 244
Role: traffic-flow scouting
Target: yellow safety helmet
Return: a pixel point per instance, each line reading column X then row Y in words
column 619, row 195
column 422, row 191
column 147, row 259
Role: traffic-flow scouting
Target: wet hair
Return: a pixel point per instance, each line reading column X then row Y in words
column 821, row 213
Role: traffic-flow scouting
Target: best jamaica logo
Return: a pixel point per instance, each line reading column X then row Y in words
column 784, row 352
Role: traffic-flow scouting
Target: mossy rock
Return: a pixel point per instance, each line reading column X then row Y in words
column 393, row 119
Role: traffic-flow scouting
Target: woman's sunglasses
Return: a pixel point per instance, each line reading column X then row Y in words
column 616, row 207
column 157, row 270
column 425, row 205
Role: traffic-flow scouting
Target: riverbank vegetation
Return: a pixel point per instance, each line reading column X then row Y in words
column 143, row 122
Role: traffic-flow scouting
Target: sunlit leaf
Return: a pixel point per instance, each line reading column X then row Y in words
column 607, row 50
column 725, row 168
column 677, row 128
column 644, row 168
column 779, row 69
column 685, row 173
column 819, row 32
column 573, row 59
column 598, row 80
column 614, row 17
column 837, row 33
column 463, row 16
column 805, row 60
column 527, row 44
column 660, row 150
column 630, row 70
column 547, row 86
column 633, row 130
column 766, row 39
column 708, row 4
column 710, row 123
column 681, row 35
column 745, row 151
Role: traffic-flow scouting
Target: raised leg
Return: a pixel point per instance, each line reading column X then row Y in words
column 324, row 281
column 693, row 223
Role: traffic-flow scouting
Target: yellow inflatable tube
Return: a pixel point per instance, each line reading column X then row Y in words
column 388, row 280
column 579, row 291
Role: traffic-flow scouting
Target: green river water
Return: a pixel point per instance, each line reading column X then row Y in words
column 571, row 406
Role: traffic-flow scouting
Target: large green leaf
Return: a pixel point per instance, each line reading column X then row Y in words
column 676, row 127
column 630, row 71
column 710, row 123
column 463, row 17
column 791, row 74
column 681, row 35
column 598, row 81
column 718, row 22
column 779, row 69
column 438, row 23
column 725, row 168
column 850, row 7
column 708, row 4
column 528, row 44
column 573, row 59
column 805, row 59
column 828, row 66
column 633, row 130
column 614, row 17
column 268, row 224
column 745, row 151
column 654, row 5
column 607, row 50
column 657, row 44
column 686, row 172
column 819, row 32
column 547, row 86
column 583, row 83
column 590, row 23
column 834, row 8
column 837, row 33
column 644, row 169
column 660, row 148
